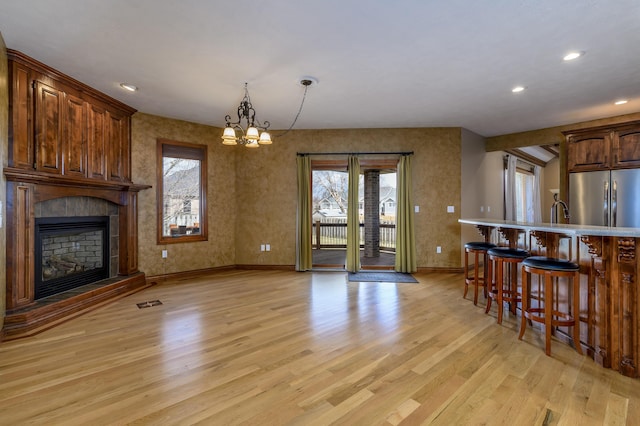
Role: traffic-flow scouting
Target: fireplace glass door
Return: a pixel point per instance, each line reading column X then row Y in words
column 70, row 252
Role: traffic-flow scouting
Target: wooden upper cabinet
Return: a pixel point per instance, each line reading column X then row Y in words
column 49, row 116
column 588, row 151
column 118, row 164
column 626, row 148
column 21, row 117
column 75, row 136
column 97, row 142
column 60, row 126
column 600, row 148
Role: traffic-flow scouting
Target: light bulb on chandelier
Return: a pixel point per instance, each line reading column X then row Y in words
column 254, row 133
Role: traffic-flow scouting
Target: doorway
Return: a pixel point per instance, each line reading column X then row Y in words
column 376, row 212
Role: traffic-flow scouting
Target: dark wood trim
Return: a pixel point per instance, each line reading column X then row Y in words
column 52, row 73
column 45, row 314
column 157, row 279
column 427, row 269
column 267, row 267
column 189, row 151
column 40, row 178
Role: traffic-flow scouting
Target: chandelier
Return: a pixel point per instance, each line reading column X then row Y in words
column 254, row 133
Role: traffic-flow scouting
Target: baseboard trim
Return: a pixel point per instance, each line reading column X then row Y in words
column 158, row 279
column 177, row 276
column 267, row 267
column 440, row 269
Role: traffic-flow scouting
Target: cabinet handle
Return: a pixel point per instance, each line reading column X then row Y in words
column 614, row 203
column 605, row 203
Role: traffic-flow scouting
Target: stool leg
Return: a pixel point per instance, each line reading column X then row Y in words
column 489, row 284
column 513, row 288
column 485, row 273
column 548, row 312
column 466, row 273
column 525, row 302
column 576, row 311
column 476, row 279
column 499, row 284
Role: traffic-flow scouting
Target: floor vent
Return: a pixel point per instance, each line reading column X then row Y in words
column 148, row 304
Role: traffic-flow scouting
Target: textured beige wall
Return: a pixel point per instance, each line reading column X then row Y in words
column 4, row 143
column 473, row 190
column 219, row 250
column 266, row 189
column 252, row 193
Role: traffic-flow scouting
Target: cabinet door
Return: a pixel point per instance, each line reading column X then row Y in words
column 626, row 148
column 49, row 113
column 118, row 146
column 588, row 151
column 96, row 142
column 75, row 129
column 20, row 113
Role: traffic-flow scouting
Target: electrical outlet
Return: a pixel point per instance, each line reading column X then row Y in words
column 268, row 247
column 262, row 247
column 417, row 209
column 481, row 209
column 488, row 209
column 438, row 249
column 450, row 209
column 164, row 254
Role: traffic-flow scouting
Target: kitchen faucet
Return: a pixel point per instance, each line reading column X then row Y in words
column 554, row 209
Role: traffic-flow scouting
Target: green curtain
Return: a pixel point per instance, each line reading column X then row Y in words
column 353, row 218
column 405, row 235
column 304, row 256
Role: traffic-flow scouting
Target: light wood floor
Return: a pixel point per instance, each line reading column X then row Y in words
column 276, row 347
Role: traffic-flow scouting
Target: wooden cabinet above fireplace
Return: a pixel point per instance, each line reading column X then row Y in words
column 60, row 126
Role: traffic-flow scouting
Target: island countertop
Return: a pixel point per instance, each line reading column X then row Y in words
column 563, row 228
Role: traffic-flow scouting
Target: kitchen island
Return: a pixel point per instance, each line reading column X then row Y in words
column 609, row 310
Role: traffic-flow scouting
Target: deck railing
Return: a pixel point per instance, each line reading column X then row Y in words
column 334, row 235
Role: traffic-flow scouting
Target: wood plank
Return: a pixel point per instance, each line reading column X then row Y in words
column 282, row 347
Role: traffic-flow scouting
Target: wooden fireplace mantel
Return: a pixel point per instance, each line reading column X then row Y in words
column 66, row 139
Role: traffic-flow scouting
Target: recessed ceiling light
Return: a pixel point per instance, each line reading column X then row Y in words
column 517, row 89
column 621, row 102
column 129, row 87
column 572, row 55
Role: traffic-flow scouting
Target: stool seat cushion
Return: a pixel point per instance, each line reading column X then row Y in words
column 550, row 263
column 477, row 245
column 508, row 252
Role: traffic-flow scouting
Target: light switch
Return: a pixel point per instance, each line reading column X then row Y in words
column 417, row 209
column 450, row 209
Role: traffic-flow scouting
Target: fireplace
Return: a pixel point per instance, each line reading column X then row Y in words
column 70, row 252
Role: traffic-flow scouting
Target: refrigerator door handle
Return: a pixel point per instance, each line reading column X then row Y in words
column 614, row 203
column 605, row 204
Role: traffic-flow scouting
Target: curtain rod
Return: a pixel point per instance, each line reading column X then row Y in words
column 304, row 154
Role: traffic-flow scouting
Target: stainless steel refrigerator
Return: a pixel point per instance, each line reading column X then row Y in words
column 605, row 198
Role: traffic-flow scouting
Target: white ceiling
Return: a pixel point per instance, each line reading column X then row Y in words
column 403, row 63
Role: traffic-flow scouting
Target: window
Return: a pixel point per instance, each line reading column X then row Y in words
column 524, row 196
column 182, row 192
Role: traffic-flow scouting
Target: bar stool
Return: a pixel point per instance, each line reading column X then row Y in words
column 501, row 256
column 478, row 249
column 550, row 267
